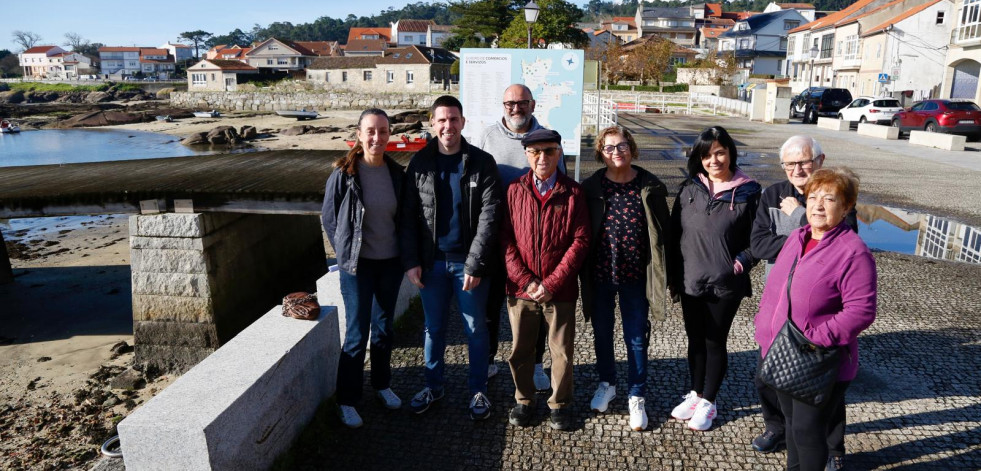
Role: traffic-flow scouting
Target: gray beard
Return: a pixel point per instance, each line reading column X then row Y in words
column 518, row 122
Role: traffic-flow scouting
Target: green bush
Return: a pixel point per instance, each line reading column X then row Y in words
column 57, row 87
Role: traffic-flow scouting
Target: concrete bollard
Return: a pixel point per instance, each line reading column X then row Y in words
column 834, row 124
column 940, row 141
column 875, row 130
column 244, row 404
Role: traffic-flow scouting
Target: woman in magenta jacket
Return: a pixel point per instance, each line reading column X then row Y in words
column 832, row 279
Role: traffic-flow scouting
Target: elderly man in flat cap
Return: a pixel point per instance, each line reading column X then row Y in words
column 545, row 237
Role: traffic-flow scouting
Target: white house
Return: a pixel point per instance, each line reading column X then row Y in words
column 181, row 52
column 962, row 66
column 42, row 62
column 760, row 41
column 805, row 9
column 119, row 61
column 217, row 75
column 411, row 32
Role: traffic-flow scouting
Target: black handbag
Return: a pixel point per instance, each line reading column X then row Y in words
column 796, row 366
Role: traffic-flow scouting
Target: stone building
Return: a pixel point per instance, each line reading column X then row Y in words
column 405, row 69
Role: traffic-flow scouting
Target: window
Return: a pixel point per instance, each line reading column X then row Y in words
column 198, row 79
column 826, row 44
column 410, row 76
column 367, row 76
column 269, row 62
column 970, row 21
column 344, row 76
column 790, row 43
column 744, row 43
column 783, row 44
column 282, row 61
column 389, row 76
column 788, row 24
column 212, row 76
column 940, row 17
column 408, row 38
column 327, row 77
column 273, row 47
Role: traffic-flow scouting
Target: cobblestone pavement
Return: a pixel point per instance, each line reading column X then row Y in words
column 916, row 403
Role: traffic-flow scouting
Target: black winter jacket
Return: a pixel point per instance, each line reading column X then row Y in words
column 343, row 212
column 708, row 235
column 481, row 188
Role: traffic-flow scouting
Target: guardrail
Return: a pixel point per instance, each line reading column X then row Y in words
column 684, row 103
column 598, row 111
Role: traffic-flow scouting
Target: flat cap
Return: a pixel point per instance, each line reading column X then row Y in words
column 541, row 135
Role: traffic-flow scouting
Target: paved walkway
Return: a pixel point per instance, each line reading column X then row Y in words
column 916, row 403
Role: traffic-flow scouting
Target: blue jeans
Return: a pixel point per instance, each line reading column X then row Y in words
column 634, row 311
column 444, row 280
column 369, row 301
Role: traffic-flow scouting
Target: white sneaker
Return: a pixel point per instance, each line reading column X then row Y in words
column 542, row 383
column 491, row 370
column 389, row 399
column 638, row 413
column 686, row 409
column 349, row 416
column 604, row 394
column 704, row 413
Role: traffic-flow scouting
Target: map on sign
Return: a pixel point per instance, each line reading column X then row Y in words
column 555, row 77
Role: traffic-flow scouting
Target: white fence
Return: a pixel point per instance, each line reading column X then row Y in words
column 598, row 111
column 683, row 103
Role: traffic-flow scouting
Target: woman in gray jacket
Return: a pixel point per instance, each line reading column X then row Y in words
column 359, row 216
column 711, row 224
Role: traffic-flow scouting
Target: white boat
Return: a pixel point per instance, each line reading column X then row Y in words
column 6, row 127
column 299, row 115
column 207, row 114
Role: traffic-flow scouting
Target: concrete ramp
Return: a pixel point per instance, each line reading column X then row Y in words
column 244, row 404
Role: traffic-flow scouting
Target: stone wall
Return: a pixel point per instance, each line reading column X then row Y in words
column 199, row 279
column 273, row 101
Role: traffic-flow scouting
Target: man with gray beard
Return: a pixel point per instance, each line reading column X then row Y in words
column 503, row 141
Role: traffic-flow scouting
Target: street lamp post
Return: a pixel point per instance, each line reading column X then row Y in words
column 531, row 16
column 810, row 76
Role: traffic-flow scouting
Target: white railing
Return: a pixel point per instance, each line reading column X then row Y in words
column 598, row 111
column 680, row 103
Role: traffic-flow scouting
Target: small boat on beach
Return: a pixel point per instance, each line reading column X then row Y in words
column 207, row 114
column 164, row 118
column 300, row 115
column 404, row 144
column 6, row 127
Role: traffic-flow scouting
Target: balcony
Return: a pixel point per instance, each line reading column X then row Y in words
column 966, row 35
column 850, row 62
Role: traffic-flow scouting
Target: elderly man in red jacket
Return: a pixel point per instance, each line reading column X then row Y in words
column 545, row 236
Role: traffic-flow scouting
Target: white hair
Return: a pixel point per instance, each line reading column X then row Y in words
column 797, row 144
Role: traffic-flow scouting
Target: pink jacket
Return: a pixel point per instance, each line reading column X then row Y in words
column 833, row 293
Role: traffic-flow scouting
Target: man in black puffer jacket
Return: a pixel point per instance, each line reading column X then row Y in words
column 450, row 217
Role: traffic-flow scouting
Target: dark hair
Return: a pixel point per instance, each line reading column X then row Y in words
column 614, row 131
column 445, row 100
column 842, row 180
column 349, row 163
column 701, row 148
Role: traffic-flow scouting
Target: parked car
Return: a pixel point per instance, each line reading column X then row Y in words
column 819, row 101
column 946, row 116
column 869, row 109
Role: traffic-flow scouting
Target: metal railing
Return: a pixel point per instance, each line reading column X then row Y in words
column 679, row 103
column 598, row 111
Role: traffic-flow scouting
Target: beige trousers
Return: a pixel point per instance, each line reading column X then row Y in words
column 525, row 318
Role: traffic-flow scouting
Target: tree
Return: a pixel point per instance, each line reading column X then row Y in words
column 556, row 24
column 9, row 64
column 483, row 18
column 195, row 37
column 652, row 59
column 90, row 49
column 25, row 39
column 75, row 41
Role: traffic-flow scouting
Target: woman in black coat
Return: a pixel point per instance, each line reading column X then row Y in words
column 711, row 224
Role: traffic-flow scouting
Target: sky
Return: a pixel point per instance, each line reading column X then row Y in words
column 136, row 23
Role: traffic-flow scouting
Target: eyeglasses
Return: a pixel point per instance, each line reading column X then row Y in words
column 548, row 151
column 804, row 164
column 521, row 103
column 623, row 147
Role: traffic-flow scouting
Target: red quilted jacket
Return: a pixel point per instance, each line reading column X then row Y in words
column 547, row 241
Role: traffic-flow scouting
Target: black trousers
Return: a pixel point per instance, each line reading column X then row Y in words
column 495, row 306
column 774, row 420
column 707, row 323
column 807, row 429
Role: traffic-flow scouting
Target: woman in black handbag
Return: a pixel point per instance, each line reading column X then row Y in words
column 825, row 279
column 361, row 202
